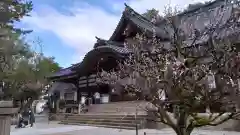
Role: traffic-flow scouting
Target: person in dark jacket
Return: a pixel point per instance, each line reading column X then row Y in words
column 31, row 117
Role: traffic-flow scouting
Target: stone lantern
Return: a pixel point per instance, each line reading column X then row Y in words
column 6, row 112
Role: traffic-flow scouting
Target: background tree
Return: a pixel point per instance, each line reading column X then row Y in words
column 150, row 14
column 153, row 16
column 22, row 69
column 191, row 75
column 12, row 48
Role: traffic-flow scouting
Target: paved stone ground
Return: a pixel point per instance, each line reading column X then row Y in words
column 43, row 128
column 56, row 129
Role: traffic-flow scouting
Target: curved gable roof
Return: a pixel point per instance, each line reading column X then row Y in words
column 109, row 48
column 90, row 58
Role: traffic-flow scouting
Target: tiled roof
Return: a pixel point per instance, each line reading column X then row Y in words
column 111, row 45
column 62, row 72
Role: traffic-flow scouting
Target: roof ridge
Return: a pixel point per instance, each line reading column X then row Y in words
column 192, row 11
column 201, row 6
column 128, row 8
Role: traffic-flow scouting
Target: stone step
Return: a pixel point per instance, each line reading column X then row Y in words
column 97, row 115
column 105, row 120
column 62, row 116
column 104, row 126
column 107, row 124
column 114, row 106
column 105, row 117
column 125, row 102
column 119, row 123
column 112, row 111
column 120, row 105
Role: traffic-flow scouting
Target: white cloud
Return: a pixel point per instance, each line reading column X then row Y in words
column 79, row 30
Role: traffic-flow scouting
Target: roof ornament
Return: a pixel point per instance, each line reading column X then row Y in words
column 128, row 9
column 126, row 6
column 97, row 38
column 100, row 40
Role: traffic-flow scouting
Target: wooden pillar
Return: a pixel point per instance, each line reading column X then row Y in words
column 57, row 106
column 6, row 110
column 89, row 92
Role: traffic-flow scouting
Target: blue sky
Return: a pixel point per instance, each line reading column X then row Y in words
column 66, row 29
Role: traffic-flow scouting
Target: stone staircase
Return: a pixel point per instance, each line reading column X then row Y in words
column 126, row 107
column 112, row 115
column 108, row 121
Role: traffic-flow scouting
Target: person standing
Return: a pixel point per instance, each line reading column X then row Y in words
column 97, row 98
column 31, row 117
column 83, row 107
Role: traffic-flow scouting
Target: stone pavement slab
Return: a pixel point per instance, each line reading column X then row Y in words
column 48, row 130
column 56, row 129
column 108, row 131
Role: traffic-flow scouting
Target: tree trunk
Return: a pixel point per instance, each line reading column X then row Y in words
column 182, row 122
column 182, row 131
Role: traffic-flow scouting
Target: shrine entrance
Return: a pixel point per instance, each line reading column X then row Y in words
column 94, row 93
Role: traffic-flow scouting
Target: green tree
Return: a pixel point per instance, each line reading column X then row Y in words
column 12, row 11
column 22, row 70
column 11, row 47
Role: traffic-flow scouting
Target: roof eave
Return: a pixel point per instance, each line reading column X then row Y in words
column 60, row 78
column 119, row 27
